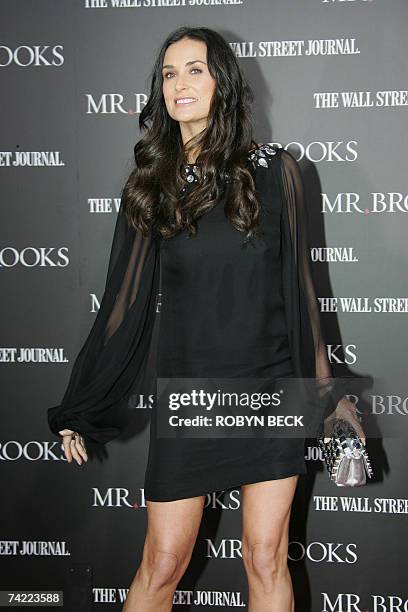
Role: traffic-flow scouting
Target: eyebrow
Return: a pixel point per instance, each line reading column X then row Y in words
column 187, row 64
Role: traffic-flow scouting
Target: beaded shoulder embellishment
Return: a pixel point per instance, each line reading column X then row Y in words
column 258, row 157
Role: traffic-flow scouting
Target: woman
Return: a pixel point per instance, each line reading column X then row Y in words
column 215, row 222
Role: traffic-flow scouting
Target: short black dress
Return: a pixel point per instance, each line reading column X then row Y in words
column 222, row 315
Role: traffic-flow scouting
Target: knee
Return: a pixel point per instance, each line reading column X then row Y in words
column 161, row 569
column 265, row 560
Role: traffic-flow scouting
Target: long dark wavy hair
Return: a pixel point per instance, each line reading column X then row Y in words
column 152, row 196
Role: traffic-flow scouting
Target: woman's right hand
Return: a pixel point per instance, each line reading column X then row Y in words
column 74, row 446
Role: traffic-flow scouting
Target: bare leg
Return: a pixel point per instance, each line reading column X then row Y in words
column 172, row 529
column 266, row 513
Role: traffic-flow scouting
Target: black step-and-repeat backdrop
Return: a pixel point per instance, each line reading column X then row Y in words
column 330, row 78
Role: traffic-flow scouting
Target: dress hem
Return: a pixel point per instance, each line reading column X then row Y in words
column 290, row 470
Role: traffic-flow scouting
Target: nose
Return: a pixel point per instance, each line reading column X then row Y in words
column 180, row 83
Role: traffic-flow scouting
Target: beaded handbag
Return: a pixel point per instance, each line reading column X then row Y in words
column 345, row 456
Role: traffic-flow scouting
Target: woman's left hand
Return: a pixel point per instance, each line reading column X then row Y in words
column 346, row 410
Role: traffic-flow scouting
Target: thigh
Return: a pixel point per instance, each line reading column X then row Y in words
column 266, row 508
column 172, row 526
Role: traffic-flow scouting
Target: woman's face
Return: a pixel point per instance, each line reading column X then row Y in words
column 186, row 77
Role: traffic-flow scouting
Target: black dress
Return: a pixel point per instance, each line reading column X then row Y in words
column 225, row 311
column 221, row 315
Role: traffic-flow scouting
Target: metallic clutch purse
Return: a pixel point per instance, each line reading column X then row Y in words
column 344, row 454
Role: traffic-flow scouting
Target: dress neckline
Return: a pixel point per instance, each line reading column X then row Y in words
column 255, row 155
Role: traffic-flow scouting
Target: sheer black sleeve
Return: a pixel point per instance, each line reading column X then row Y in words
column 111, row 365
column 304, row 310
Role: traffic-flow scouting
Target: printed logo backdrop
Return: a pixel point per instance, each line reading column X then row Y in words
column 330, row 80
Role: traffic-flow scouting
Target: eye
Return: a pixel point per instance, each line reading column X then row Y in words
column 167, row 73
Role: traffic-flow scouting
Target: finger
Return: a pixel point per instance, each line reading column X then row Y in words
column 79, row 451
column 81, row 448
column 74, row 451
column 362, row 437
column 360, row 432
column 66, row 433
column 67, row 449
